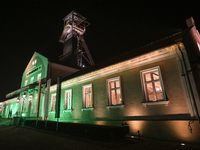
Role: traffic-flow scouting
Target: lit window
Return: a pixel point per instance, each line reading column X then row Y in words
column 152, row 84
column 34, row 62
column 32, row 79
column 26, row 82
column 68, row 99
column 30, row 96
column 53, row 102
column 39, row 77
column 36, row 97
column 114, row 91
column 87, row 96
column 16, row 108
column 6, row 112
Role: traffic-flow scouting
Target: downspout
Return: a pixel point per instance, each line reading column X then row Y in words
column 189, row 84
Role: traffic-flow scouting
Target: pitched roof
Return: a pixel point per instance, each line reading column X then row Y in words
column 167, row 41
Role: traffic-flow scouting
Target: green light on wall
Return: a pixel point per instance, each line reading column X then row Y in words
column 23, row 114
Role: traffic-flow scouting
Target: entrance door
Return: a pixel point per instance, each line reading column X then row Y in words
column 29, row 108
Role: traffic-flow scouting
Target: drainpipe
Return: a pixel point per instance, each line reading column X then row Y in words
column 189, row 84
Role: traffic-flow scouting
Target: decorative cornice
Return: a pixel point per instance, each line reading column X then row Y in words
column 10, row 100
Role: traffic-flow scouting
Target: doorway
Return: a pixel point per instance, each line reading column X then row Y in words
column 29, row 108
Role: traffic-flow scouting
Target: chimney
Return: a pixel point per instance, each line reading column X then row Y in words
column 190, row 22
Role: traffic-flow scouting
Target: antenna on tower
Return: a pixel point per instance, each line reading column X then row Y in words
column 75, row 48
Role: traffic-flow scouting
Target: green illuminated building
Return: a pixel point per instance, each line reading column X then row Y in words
column 154, row 89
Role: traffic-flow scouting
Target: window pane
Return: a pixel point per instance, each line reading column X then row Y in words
column 158, row 90
column 155, row 75
column 68, row 100
column 112, row 85
column 90, row 89
column 117, row 83
column 118, row 97
column 86, row 100
column 69, row 103
column 35, row 105
column 150, row 92
column 53, row 102
column 67, row 94
column 86, row 90
column 113, row 99
column 66, row 103
column 53, row 105
column 90, row 100
column 148, row 77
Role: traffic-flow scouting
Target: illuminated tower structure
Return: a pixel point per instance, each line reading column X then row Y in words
column 75, row 50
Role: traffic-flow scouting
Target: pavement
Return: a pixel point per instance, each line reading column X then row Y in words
column 23, row 138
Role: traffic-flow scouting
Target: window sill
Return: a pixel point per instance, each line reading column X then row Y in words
column 68, row 110
column 115, row 106
column 89, row 108
column 145, row 104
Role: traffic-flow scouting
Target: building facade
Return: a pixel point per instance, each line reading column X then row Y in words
column 153, row 89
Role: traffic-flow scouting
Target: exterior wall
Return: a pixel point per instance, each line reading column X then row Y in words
column 192, row 44
column 10, row 108
column 172, row 130
column 132, row 96
column 38, row 64
column 171, row 120
column 29, row 104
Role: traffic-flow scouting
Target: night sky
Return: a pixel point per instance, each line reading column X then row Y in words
column 116, row 27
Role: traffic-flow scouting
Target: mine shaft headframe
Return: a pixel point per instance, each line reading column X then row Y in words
column 73, row 22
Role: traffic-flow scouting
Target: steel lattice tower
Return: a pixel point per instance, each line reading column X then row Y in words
column 75, row 48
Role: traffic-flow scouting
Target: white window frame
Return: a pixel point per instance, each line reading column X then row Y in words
column 54, row 94
column 36, row 102
column 68, row 104
column 115, row 88
column 39, row 76
column 26, row 82
column 91, row 93
column 144, row 87
column 32, row 80
column 16, row 107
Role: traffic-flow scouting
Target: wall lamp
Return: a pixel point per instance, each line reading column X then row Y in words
column 24, row 95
